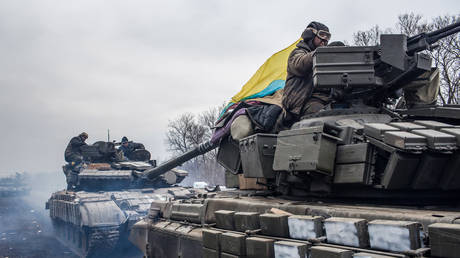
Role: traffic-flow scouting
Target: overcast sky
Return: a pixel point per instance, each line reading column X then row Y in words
column 130, row 66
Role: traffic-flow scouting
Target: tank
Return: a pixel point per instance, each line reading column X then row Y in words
column 364, row 178
column 14, row 186
column 105, row 196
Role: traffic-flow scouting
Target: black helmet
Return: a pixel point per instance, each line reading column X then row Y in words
column 124, row 139
column 83, row 135
column 315, row 28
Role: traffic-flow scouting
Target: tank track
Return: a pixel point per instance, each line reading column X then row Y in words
column 102, row 240
column 87, row 242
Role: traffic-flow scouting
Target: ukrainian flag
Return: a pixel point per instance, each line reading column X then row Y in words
column 268, row 79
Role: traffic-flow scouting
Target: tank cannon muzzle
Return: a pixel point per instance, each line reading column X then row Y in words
column 172, row 163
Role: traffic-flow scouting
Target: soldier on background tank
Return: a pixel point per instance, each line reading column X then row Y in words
column 129, row 147
column 73, row 153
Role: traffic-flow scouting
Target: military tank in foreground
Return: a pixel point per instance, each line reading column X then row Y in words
column 106, row 196
column 361, row 179
column 14, row 186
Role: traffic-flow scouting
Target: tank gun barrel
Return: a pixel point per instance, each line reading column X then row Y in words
column 172, row 163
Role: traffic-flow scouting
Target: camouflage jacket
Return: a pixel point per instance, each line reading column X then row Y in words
column 74, row 146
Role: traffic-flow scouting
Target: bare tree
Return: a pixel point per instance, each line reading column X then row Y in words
column 180, row 135
column 411, row 24
column 369, row 37
column 207, row 119
column 447, row 58
column 185, row 133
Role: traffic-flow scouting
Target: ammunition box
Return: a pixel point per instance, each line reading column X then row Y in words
column 257, row 152
column 338, row 67
column 306, row 149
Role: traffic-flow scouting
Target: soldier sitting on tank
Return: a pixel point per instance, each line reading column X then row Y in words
column 300, row 98
column 128, row 147
column 73, row 153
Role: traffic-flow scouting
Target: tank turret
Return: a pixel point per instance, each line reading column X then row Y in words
column 105, row 168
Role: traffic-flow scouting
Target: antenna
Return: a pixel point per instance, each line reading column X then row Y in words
column 108, row 135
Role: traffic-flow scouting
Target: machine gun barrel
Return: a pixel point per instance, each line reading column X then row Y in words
column 172, row 163
column 423, row 40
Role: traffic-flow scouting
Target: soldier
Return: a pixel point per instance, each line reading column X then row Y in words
column 72, row 153
column 299, row 97
column 128, row 147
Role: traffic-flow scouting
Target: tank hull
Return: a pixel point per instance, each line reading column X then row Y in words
column 94, row 224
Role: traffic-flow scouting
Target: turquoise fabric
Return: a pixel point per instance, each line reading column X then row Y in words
column 273, row 87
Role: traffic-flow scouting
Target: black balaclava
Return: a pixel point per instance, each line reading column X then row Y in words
column 308, row 35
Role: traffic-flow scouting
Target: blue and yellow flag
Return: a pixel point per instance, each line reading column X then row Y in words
column 269, row 78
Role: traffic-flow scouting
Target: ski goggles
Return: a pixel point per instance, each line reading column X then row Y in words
column 322, row 34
